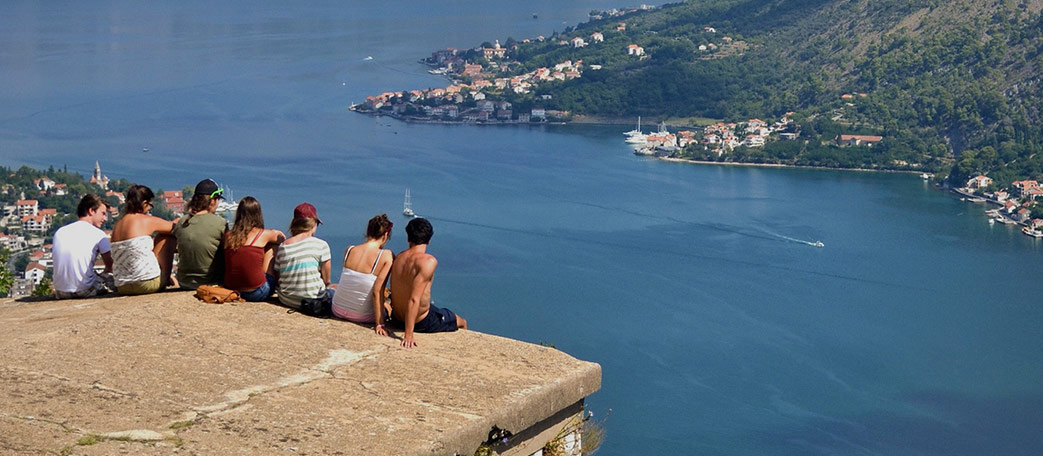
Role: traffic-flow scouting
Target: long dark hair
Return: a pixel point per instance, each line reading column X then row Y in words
column 247, row 217
column 137, row 196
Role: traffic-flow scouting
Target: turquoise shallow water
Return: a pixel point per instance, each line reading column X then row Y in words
column 914, row 331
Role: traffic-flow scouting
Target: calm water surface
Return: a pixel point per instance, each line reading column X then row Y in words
column 914, row 331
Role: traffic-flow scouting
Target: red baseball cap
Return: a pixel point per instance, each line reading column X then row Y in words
column 306, row 210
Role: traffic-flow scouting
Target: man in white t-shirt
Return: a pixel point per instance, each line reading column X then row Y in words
column 76, row 246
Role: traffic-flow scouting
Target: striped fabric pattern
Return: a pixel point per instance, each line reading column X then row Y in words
column 298, row 266
column 133, row 260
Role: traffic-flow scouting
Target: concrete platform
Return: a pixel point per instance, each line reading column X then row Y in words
column 167, row 374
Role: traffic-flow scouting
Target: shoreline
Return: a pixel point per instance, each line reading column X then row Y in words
column 614, row 121
column 780, row 165
column 578, row 120
column 624, row 121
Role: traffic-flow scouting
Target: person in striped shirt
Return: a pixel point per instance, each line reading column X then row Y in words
column 302, row 262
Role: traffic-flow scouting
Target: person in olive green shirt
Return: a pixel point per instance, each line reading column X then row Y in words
column 199, row 235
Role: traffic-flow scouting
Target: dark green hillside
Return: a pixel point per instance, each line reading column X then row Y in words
column 945, row 82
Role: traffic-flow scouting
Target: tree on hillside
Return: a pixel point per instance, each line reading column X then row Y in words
column 6, row 278
column 20, row 262
column 44, row 288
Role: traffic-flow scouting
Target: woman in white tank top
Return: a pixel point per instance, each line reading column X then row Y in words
column 141, row 262
column 360, row 291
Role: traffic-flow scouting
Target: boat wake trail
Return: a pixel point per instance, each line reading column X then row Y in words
column 686, row 254
column 794, row 240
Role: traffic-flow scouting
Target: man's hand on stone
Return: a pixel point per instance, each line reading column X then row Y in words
column 408, row 342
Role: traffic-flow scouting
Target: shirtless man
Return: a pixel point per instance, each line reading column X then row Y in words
column 411, row 276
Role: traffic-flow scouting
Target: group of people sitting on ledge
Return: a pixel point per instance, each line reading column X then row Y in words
column 257, row 262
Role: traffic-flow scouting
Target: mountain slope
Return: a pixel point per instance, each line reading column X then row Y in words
column 956, row 82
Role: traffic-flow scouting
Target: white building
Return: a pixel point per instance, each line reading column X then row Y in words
column 44, row 183
column 27, row 207
column 979, row 182
column 98, row 178
column 12, row 242
column 35, row 223
column 35, row 272
column 754, row 141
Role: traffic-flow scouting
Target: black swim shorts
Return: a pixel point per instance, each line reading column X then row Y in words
column 437, row 320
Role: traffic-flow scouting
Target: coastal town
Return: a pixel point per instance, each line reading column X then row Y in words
column 715, row 140
column 36, row 203
column 484, row 80
column 469, row 98
column 488, row 86
column 1017, row 203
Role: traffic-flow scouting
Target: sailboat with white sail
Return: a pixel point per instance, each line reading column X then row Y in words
column 407, row 206
column 635, row 136
column 636, row 131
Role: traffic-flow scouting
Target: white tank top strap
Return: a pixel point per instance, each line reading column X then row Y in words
column 376, row 262
column 346, row 252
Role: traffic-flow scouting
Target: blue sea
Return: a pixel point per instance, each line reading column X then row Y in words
column 721, row 330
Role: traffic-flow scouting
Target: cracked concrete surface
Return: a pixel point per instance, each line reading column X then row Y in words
column 165, row 374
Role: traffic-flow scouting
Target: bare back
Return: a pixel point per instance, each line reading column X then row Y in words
column 133, row 225
column 412, row 274
column 362, row 257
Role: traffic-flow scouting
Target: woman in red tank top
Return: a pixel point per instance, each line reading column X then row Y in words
column 249, row 249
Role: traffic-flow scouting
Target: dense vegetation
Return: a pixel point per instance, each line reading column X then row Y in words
column 952, row 86
column 18, row 183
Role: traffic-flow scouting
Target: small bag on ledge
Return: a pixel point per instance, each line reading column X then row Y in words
column 214, row 294
column 320, row 307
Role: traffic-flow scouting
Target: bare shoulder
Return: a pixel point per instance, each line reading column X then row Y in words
column 427, row 261
column 387, row 257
